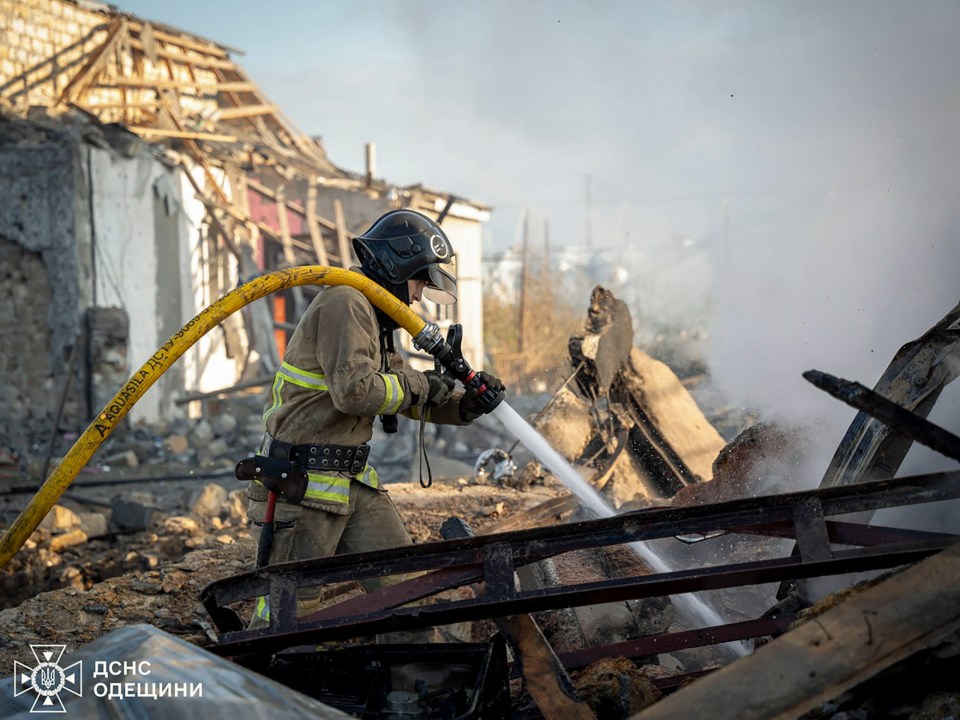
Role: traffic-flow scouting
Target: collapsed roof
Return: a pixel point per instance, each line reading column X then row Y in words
column 185, row 91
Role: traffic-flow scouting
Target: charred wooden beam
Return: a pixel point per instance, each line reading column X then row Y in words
column 832, row 653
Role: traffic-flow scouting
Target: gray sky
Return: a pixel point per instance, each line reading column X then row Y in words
column 789, row 165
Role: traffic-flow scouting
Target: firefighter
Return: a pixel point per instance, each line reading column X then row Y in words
column 341, row 370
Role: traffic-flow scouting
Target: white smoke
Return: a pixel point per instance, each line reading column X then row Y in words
column 787, row 172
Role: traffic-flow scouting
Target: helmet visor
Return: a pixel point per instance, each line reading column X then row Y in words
column 441, row 286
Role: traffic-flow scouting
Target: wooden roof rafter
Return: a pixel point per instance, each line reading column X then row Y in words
column 164, row 85
column 138, row 68
column 87, row 75
column 291, row 206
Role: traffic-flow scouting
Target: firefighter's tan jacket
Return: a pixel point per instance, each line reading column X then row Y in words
column 330, row 388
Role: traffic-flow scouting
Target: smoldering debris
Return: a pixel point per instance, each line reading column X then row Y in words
column 627, row 420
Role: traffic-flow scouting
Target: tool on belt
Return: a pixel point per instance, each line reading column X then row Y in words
column 284, row 480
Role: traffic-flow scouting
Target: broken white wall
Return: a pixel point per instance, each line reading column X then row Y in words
column 153, row 258
column 126, row 266
column 209, row 274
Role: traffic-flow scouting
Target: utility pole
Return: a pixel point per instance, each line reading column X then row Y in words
column 524, row 262
column 546, row 243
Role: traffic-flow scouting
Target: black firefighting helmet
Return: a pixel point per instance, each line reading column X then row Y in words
column 404, row 244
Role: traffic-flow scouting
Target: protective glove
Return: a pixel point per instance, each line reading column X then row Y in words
column 473, row 406
column 439, row 388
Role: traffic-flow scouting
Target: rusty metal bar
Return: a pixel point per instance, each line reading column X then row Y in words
column 889, row 413
column 843, row 533
column 659, row 585
column 492, row 559
column 811, row 528
column 532, row 545
column 668, row 642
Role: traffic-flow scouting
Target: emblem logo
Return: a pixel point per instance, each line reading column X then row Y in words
column 438, row 246
column 47, row 679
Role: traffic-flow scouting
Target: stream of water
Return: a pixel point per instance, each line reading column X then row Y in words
column 688, row 604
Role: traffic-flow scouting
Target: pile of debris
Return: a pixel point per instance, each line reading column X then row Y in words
column 631, row 426
column 113, row 577
column 169, row 488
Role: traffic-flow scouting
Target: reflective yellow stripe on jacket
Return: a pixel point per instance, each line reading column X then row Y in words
column 289, row 373
column 309, row 380
column 336, row 488
column 263, row 608
column 393, row 394
column 332, row 488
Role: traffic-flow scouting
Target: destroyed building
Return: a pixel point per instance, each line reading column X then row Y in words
column 144, row 176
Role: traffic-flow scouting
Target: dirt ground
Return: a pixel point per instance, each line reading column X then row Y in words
column 155, row 576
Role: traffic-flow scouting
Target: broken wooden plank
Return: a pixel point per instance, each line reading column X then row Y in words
column 345, row 254
column 224, row 392
column 673, row 413
column 284, row 224
column 147, row 44
column 546, row 513
column 181, row 134
column 540, row 668
column 316, row 236
column 244, row 111
column 90, row 105
column 180, row 85
column 190, row 43
column 154, row 53
column 832, row 652
column 81, row 81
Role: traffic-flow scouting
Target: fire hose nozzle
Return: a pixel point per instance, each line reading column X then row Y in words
column 487, row 398
column 448, row 357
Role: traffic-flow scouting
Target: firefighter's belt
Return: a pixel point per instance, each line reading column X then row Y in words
column 318, row 458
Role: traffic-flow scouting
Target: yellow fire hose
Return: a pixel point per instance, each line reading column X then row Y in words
column 158, row 363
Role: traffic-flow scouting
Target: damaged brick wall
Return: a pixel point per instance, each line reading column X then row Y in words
column 45, row 36
column 39, row 284
column 107, row 337
column 25, row 372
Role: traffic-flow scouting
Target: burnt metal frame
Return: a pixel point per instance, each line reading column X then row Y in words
column 492, row 559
